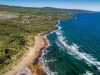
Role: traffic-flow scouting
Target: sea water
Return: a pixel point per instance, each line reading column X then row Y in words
column 75, row 46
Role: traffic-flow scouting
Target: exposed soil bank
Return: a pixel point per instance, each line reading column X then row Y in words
column 30, row 63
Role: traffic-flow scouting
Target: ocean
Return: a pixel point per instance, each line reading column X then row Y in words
column 75, row 46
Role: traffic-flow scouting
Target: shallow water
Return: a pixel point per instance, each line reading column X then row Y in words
column 75, row 46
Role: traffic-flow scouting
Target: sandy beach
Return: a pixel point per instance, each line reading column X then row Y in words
column 29, row 64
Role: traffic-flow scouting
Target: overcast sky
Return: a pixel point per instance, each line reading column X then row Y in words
column 93, row 5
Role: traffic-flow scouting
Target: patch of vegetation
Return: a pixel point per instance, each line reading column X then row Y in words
column 18, row 32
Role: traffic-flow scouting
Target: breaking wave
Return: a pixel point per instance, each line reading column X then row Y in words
column 44, row 65
column 74, row 49
column 88, row 73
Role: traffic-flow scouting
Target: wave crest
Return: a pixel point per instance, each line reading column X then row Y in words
column 74, row 49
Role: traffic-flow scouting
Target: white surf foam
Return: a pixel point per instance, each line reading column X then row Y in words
column 75, row 50
column 45, row 66
column 88, row 73
column 57, row 25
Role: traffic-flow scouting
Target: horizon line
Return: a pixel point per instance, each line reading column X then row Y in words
column 47, row 7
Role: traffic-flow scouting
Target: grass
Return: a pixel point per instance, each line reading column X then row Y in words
column 17, row 33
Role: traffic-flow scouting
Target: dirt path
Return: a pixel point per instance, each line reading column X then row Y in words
column 30, row 58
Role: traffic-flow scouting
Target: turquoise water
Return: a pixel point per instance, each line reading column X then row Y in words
column 75, row 46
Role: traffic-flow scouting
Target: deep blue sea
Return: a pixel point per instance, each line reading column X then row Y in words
column 75, row 46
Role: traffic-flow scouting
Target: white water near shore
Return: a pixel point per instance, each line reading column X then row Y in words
column 74, row 49
column 44, row 65
column 71, row 49
column 88, row 73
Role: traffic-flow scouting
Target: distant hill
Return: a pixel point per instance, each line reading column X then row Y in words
column 32, row 9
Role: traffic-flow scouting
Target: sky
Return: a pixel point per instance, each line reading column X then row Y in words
column 93, row 5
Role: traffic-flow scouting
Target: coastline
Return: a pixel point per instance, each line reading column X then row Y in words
column 30, row 63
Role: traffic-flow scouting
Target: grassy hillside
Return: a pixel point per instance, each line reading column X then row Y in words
column 18, row 25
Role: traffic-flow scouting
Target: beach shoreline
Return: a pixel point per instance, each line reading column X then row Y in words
column 30, row 63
